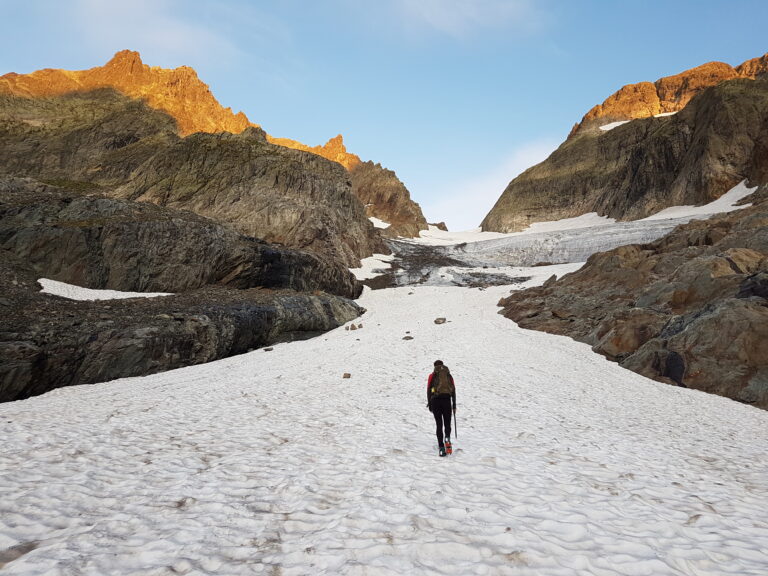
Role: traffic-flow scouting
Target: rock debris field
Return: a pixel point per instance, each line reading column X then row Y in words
column 273, row 463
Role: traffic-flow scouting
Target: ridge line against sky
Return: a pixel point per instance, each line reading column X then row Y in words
column 456, row 96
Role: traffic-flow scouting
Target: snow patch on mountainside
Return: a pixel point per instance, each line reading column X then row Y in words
column 612, row 125
column 379, row 223
column 73, row 292
column 726, row 203
column 373, row 266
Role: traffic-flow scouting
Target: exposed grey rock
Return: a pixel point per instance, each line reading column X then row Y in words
column 634, row 170
column 101, row 242
column 47, row 342
column 104, row 141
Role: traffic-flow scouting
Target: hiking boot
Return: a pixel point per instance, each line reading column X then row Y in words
column 448, row 447
column 442, row 451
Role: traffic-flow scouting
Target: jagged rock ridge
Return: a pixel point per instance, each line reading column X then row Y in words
column 668, row 94
column 718, row 139
column 123, row 148
column 182, row 95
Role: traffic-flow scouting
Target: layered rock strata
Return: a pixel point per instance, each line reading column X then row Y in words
column 689, row 309
column 185, row 98
column 236, row 292
column 99, row 242
column 47, row 342
column 638, row 168
column 105, row 141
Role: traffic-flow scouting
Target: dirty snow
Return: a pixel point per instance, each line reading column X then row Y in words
column 73, row 292
column 272, row 463
column 373, row 266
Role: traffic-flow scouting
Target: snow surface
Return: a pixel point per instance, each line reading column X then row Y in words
column 612, row 125
column 379, row 223
column 373, row 266
column 272, row 463
column 79, row 293
column 664, row 114
column 726, row 203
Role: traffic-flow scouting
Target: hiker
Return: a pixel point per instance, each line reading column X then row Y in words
column 441, row 393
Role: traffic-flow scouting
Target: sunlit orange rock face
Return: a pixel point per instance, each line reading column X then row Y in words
column 668, row 94
column 182, row 95
column 178, row 92
column 333, row 150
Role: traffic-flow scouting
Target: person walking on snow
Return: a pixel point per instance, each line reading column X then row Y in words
column 441, row 394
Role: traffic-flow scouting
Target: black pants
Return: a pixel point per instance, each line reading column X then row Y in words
column 441, row 410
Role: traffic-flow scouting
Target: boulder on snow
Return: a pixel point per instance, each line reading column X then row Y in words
column 440, row 320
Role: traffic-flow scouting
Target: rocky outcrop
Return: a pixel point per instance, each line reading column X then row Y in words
column 180, row 94
column 47, row 342
column 386, row 198
column 100, row 242
column 636, row 169
column 690, row 309
column 380, row 190
column 235, row 293
column 103, row 140
column 668, row 94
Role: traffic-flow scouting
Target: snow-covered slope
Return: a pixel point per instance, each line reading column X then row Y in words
column 273, row 463
column 572, row 239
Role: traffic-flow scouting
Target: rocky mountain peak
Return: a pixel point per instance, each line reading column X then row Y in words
column 178, row 92
column 668, row 94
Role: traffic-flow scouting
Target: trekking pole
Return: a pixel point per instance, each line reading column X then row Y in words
column 455, row 425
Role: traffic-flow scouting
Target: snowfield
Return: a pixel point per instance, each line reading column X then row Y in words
column 273, row 463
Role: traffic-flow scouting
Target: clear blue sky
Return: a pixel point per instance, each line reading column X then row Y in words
column 456, row 96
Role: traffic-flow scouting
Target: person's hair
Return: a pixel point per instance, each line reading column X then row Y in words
column 438, row 362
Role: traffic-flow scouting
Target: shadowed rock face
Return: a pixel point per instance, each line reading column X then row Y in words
column 107, row 142
column 386, row 198
column 184, row 97
column 47, row 342
column 690, row 309
column 636, row 169
column 236, row 292
column 100, row 242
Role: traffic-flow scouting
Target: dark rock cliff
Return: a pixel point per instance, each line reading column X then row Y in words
column 99, row 242
column 236, row 293
column 636, row 169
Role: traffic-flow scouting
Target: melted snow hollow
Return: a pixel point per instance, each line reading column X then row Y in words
column 272, row 463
